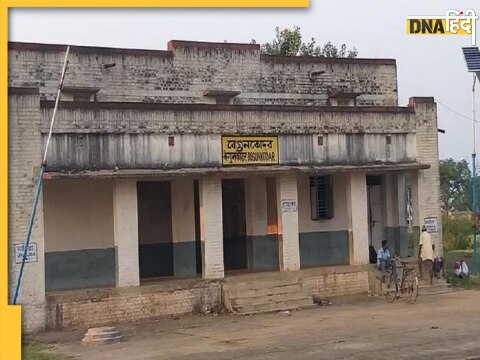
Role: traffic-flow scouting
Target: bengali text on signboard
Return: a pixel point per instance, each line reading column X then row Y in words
column 31, row 256
column 249, row 150
column 431, row 223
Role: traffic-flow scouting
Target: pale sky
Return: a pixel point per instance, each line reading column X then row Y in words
column 427, row 65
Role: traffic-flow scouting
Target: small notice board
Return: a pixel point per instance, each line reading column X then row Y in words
column 431, row 223
column 32, row 254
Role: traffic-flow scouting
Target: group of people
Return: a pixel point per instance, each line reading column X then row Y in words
column 427, row 257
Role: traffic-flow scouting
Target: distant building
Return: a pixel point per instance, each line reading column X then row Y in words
column 202, row 161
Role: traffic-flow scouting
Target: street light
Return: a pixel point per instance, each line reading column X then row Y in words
column 472, row 58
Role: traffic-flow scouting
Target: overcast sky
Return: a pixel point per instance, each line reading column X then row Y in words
column 427, row 65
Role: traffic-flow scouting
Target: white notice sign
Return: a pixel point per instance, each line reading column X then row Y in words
column 431, row 223
column 289, row 205
column 32, row 255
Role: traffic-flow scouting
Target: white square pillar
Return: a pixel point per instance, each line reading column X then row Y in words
column 288, row 237
column 390, row 190
column 125, row 222
column 402, row 248
column 211, row 227
column 358, row 218
column 32, row 288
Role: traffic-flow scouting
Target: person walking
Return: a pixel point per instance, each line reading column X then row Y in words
column 425, row 253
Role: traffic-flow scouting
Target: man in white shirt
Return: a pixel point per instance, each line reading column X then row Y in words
column 425, row 253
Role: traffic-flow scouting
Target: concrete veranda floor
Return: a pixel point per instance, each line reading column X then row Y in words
column 444, row 326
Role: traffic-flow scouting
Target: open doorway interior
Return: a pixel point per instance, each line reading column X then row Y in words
column 234, row 224
column 155, row 229
column 376, row 224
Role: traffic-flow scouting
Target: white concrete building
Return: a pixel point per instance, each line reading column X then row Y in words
column 201, row 162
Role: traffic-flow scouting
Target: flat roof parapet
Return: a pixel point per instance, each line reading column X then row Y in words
column 175, row 44
column 226, row 107
column 180, row 44
column 87, row 49
column 278, row 59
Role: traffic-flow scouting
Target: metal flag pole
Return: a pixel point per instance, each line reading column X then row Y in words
column 474, row 182
column 39, row 185
column 471, row 55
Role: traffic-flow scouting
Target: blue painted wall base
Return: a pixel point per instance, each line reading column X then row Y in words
column 79, row 269
column 324, row 248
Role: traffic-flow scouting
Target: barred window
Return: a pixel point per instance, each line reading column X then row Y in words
column 321, row 197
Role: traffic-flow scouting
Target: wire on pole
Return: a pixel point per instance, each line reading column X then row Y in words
column 38, row 188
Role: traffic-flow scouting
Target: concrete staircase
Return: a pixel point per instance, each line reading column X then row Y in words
column 264, row 292
column 440, row 286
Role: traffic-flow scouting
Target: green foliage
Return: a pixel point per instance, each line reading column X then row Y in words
column 37, row 351
column 288, row 42
column 456, row 233
column 455, row 185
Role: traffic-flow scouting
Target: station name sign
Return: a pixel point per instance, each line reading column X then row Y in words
column 249, row 150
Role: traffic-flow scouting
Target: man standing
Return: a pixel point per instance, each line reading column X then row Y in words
column 425, row 253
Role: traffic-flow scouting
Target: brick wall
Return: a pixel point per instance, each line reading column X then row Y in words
column 337, row 284
column 428, row 191
column 100, row 307
column 110, row 306
column 182, row 74
column 24, row 147
column 133, row 118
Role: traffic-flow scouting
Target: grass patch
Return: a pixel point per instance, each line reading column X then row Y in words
column 450, row 258
column 36, row 351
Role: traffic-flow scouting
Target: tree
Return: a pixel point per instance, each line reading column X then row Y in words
column 455, row 185
column 288, row 42
column 456, row 232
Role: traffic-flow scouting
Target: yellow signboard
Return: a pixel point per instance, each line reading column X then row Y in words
column 249, row 150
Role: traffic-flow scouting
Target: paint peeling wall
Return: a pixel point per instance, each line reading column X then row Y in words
column 188, row 69
column 152, row 151
column 100, row 138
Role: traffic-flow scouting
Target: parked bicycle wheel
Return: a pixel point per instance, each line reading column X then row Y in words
column 388, row 288
column 411, row 285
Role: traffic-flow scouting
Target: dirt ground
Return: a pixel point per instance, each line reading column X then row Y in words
column 444, row 326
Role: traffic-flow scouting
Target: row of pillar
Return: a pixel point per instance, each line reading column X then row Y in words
column 211, row 225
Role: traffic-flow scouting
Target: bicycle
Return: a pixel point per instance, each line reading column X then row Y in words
column 392, row 289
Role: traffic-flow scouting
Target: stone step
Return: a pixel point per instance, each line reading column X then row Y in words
column 435, row 289
column 275, row 306
column 270, row 298
column 102, row 335
column 242, row 285
column 233, row 292
column 435, row 285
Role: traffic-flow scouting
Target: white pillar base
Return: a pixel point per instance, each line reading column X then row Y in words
column 358, row 218
column 288, row 236
column 211, row 228
column 125, row 218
